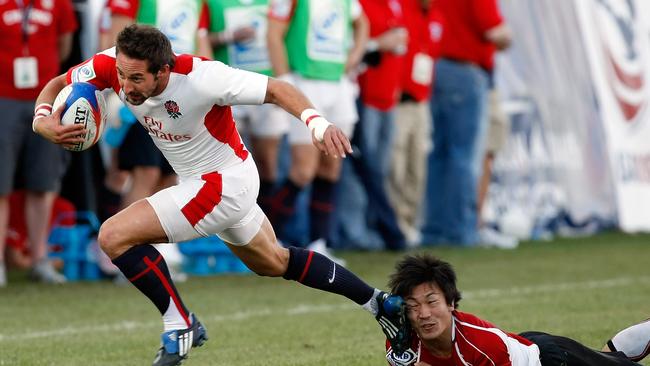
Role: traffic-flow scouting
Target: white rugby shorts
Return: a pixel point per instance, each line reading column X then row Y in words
column 334, row 99
column 266, row 120
column 222, row 203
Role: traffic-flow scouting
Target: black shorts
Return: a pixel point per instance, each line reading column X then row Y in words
column 25, row 157
column 138, row 150
column 562, row 351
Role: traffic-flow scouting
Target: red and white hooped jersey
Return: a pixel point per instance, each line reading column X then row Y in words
column 475, row 342
column 190, row 121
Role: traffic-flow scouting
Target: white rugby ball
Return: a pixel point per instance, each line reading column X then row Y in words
column 84, row 104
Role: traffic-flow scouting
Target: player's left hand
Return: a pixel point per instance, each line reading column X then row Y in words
column 334, row 142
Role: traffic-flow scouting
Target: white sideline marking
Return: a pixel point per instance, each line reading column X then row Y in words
column 312, row 309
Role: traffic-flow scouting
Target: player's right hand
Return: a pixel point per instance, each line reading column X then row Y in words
column 334, row 142
column 51, row 129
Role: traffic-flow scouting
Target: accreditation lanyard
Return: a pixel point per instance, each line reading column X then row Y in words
column 26, row 9
column 25, row 67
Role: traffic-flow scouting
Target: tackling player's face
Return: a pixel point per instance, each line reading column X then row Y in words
column 429, row 313
column 136, row 81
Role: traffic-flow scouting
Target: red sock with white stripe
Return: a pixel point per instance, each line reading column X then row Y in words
column 146, row 269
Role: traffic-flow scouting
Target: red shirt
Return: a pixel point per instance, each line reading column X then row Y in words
column 466, row 22
column 48, row 19
column 380, row 85
column 425, row 33
column 475, row 342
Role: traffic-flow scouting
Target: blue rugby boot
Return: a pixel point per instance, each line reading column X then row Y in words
column 176, row 344
column 392, row 318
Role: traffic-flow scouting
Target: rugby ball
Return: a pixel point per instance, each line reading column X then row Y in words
column 84, row 104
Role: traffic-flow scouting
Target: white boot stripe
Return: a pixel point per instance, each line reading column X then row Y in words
column 181, row 345
column 388, row 327
column 388, row 324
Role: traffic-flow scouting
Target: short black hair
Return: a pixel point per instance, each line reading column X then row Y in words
column 414, row 270
column 143, row 42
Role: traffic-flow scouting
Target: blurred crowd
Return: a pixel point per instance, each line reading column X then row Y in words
column 410, row 81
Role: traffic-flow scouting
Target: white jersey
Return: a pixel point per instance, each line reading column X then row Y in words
column 190, row 121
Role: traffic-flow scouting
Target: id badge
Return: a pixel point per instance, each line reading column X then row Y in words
column 422, row 72
column 25, row 72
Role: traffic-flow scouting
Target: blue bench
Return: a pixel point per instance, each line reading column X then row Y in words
column 209, row 256
column 72, row 244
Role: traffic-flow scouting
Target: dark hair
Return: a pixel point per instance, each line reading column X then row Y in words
column 415, row 270
column 143, row 42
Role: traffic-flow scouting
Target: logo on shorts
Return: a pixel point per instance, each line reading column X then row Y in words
column 172, row 109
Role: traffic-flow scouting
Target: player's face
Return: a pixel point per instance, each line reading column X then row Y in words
column 137, row 83
column 429, row 313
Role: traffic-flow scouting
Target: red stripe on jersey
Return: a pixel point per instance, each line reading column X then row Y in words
column 169, row 289
column 205, row 200
column 221, row 126
column 184, row 64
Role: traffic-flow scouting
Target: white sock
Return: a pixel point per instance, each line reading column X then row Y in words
column 172, row 319
column 634, row 341
column 372, row 305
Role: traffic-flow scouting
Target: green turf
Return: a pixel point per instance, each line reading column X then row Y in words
column 582, row 288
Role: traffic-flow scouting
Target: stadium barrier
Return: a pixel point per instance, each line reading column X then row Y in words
column 210, row 256
column 72, row 245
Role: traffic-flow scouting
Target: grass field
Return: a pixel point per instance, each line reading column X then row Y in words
column 586, row 289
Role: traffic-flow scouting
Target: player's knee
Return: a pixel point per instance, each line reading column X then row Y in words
column 109, row 239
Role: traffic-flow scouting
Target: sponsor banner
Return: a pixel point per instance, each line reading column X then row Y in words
column 552, row 175
column 616, row 40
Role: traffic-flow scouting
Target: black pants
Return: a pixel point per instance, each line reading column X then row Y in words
column 562, row 351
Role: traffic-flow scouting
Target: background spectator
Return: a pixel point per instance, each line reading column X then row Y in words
column 367, row 215
column 412, row 142
column 473, row 30
column 309, row 45
column 237, row 33
column 36, row 38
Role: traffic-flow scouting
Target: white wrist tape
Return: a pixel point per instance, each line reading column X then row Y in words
column 315, row 122
column 41, row 110
column 288, row 77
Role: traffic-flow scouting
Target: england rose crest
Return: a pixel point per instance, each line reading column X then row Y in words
column 172, row 109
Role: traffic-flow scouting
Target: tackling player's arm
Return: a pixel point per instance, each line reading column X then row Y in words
column 327, row 137
column 47, row 122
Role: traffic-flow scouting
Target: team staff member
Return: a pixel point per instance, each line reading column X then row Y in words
column 237, row 34
column 313, row 44
column 412, row 141
column 444, row 336
column 36, row 38
column 184, row 103
column 473, row 31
